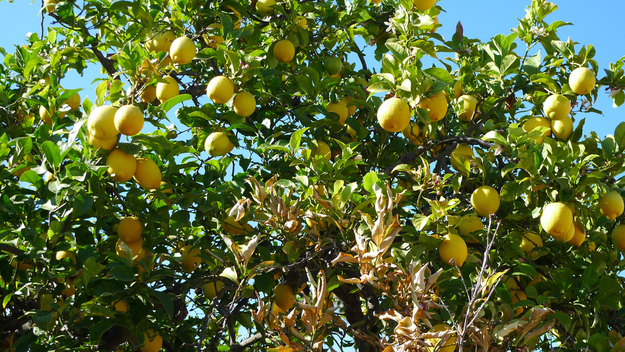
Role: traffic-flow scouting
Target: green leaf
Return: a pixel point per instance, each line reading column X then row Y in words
column 532, row 64
column 494, row 136
column 98, row 329
column 166, row 299
column 52, row 153
column 82, row 203
column 511, row 191
column 305, row 84
column 174, row 101
column 369, row 180
column 379, row 87
column 607, row 147
column 619, row 135
column 420, row 221
column 618, row 99
column 122, row 273
column 398, row 50
column 296, row 139
column 439, row 74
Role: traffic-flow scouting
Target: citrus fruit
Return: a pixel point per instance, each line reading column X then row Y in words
column 214, row 40
column 218, row 144
column 161, row 41
column 436, row 105
column 167, row 90
column 45, row 116
column 62, row 255
column 468, row 224
column 411, row 131
column 462, row 153
column 220, row 89
column 121, row 166
column 582, row 80
column 537, row 121
column 611, row 205
column 618, row 234
column 302, row 22
column 562, row 128
column 468, row 104
column 73, row 102
column 244, row 104
column 101, row 122
column 530, row 240
column 579, row 236
column 458, row 90
column 182, row 50
column 518, row 295
column 50, row 5
column 340, row 109
column 351, row 109
column 121, row 306
column 128, row 120
column 264, row 7
column 557, row 107
column 136, row 248
column 423, row 5
column 284, row 297
column 284, row 51
column 447, row 344
column 453, row 250
column 148, row 94
column 485, row 200
column 394, row 114
column 212, row 288
column 148, row 175
column 332, row 65
column 320, row 148
column 152, row 341
column 556, row 219
column 130, row 229
column 190, row 258
column 108, row 144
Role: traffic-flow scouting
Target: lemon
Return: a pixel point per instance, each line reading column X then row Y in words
column 162, row 41
column 62, row 255
column 423, row 5
column 302, row 22
column 233, row 227
column 284, row 297
column 128, row 120
column 557, row 107
column 518, row 295
column 394, row 114
column 167, row 90
column 148, row 175
column 121, row 306
column 50, row 5
column 244, row 104
column 264, row 7
column 579, row 236
column 332, row 65
column 468, row 224
column 453, row 249
column 582, row 80
column 447, row 344
column 152, row 341
column 556, row 219
column 220, row 89
column 182, row 50
column 618, row 234
column 320, row 148
column 218, row 144
column 469, row 103
column 462, row 153
column 562, row 128
column 485, row 200
column 101, row 122
column 190, row 258
column 340, row 109
column 121, row 166
column 458, row 90
column 611, row 205
column 136, row 248
column 45, row 116
column 530, row 240
column 108, row 144
column 130, row 229
column 214, row 40
column 351, row 109
column 73, row 102
column 436, row 105
column 537, row 121
column 284, row 51
column 212, row 288
column 411, row 131
column 149, row 94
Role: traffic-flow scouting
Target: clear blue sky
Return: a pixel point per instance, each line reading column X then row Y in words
column 593, row 23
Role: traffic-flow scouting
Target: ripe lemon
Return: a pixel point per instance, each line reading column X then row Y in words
column 148, row 175
column 447, row 344
column 190, row 258
column 580, row 235
column 557, row 107
column 485, row 200
column 149, row 94
column 182, row 50
column 518, row 295
column 538, row 121
column 45, row 116
column 62, row 255
column 130, row 229
column 218, row 144
column 423, row 5
column 469, row 103
column 332, row 65
column 460, row 154
column 233, row 227
column 121, row 166
column 284, row 297
column 562, row 128
column 302, row 22
column 284, row 51
column 530, row 240
column 458, row 90
column 320, row 148
column 108, row 144
column 264, row 7
column 611, row 205
column 244, row 104
column 73, row 102
column 453, row 249
column 220, row 89
column 618, row 234
column 136, row 247
column 101, row 122
column 394, row 114
column 436, row 104
column 161, row 41
column 582, row 80
column 351, row 109
column 468, row 224
column 556, row 219
column 167, row 90
column 340, row 109
column 214, row 40
column 152, row 341
column 411, row 131
column 121, row 306
column 212, row 288
column 129, row 120
column 50, row 5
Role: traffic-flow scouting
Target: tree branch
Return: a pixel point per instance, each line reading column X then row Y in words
column 10, row 249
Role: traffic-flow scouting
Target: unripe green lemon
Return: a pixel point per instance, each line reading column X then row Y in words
column 394, row 114
column 167, row 90
column 101, row 122
column 436, row 105
column 244, row 104
column 182, row 50
column 218, row 144
column 485, row 200
column 220, row 89
column 453, row 249
column 284, row 51
column 611, row 205
column 557, row 107
column 129, row 120
column 332, row 65
column 582, row 80
column 264, row 7
column 556, row 219
column 121, row 166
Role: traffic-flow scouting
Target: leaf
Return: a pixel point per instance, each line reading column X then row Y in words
column 494, row 136
column 249, row 250
column 420, row 221
column 166, row 299
column 170, row 103
column 532, row 64
column 82, row 204
column 439, row 74
column 607, row 147
column 98, row 329
column 379, row 87
column 619, row 135
column 398, row 50
column 511, row 191
column 296, row 139
column 230, row 274
column 369, row 180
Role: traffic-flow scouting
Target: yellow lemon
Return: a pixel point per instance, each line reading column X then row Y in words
column 73, row 102
column 190, row 258
column 302, row 22
column 351, row 109
column 218, row 144
column 530, row 240
column 579, row 236
column 618, row 234
column 220, row 89
column 485, row 200
column 557, row 107
column 320, row 148
column 284, row 297
column 447, row 344
column 556, row 219
column 152, row 341
column 108, row 144
column 149, row 94
column 121, row 166
column 136, row 248
column 468, row 104
column 50, row 5
column 340, row 109
column 101, row 122
column 394, row 114
column 582, row 80
column 161, row 41
column 62, row 255
column 518, row 295
column 182, row 50
column 45, row 116
column 168, row 89
column 121, row 306
column 129, row 120
column 462, row 153
column 244, row 104
column 562, row 128
column 212, row 288
column 214, row 40
column 436, row 105
column 538, row 121
column 453, row 249
column 423, row 5
column 284, row 51
column 130, row 229
column 458, row 90
column 411, row 131
column 148, row 174
column 264, row 7
column 611, row 205
column 468, row 224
